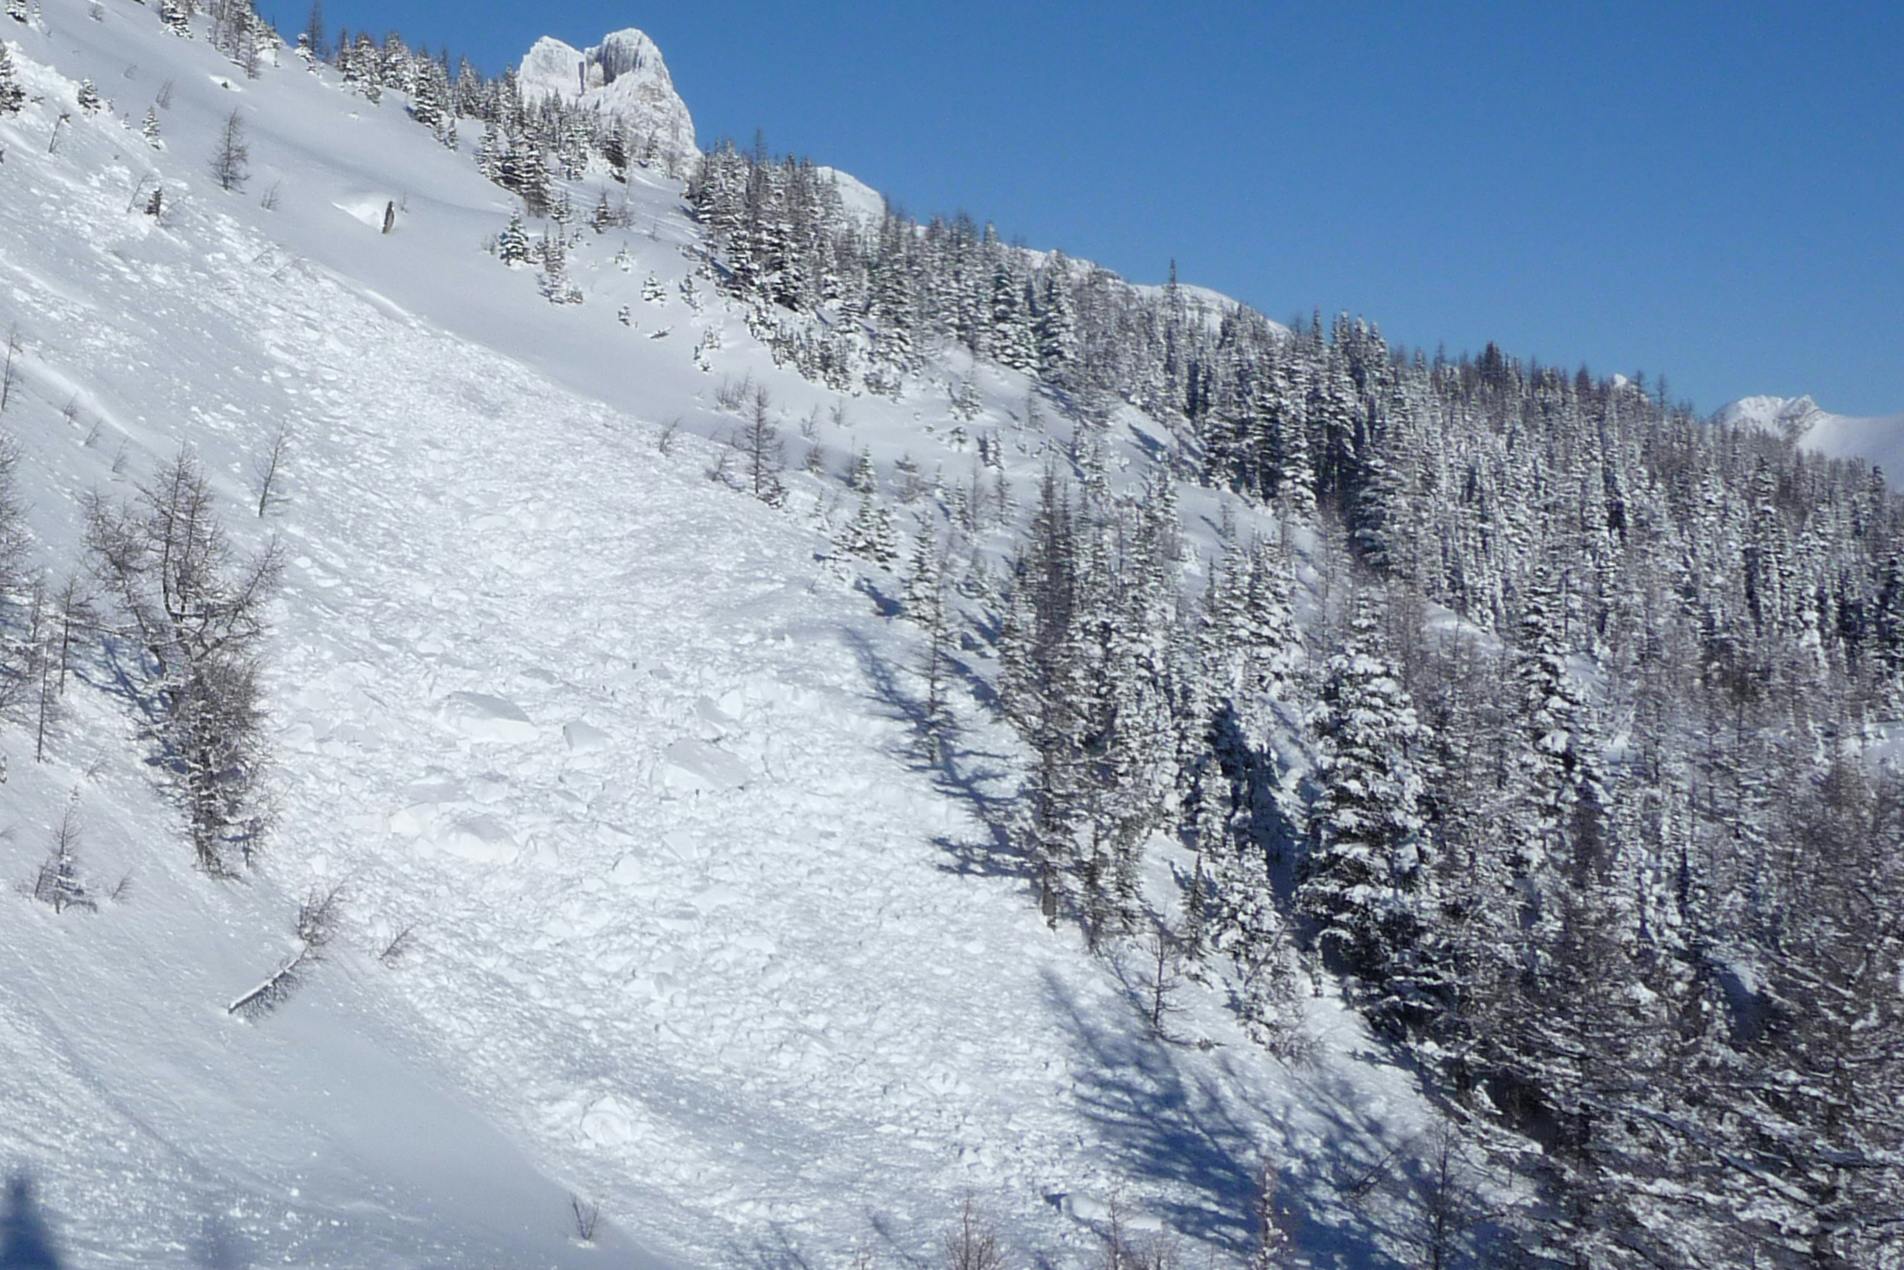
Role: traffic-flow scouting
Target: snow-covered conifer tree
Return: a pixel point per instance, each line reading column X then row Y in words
column 512, row 245
column 12, row 96
column 1365, row 879
column 925, row 578
column 871, row 535
column 864, row 478
column 231, row 154
column 58, row 882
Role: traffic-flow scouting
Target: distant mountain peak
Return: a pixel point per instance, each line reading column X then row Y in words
column 625, row 75
column 1803, row 422
column 1789, row 417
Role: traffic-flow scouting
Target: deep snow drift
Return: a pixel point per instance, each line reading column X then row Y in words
column 699, row 934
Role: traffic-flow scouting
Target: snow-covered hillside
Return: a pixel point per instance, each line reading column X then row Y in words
column 699, row 932
column 1876, row 439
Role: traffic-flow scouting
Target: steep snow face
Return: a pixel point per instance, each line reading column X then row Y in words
column 1877, row 439
column 624, row 75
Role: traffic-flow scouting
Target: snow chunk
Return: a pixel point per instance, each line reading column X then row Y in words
column 584, row 738
column 715, row 722
column 367, row 208
column 608, row 1121
column 481, row 717
column 694, row 766
column 713, row 899
column 1096, row 1212
column 481, row 838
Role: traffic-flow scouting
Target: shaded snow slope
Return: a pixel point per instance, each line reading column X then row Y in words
column 698, row 933
column 1876, row 439
column 625, row 76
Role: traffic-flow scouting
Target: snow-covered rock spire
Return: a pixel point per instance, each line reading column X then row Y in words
column 624, row 75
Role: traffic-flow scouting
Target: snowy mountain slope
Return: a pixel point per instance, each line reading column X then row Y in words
column 1878, row 440
column 1210, row 304
column 633, row 757
column 624, row 75
column 859, row 198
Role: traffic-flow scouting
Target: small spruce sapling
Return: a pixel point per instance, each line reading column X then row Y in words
column 268, row 469
column 58, row 883
column 10, row 374
column 1162, row 959
column 231, row 156
column 758, row 446
column 512, row 246
column 586, row 1215
column 398, row 946
column 12, row 96
column 972, row 1244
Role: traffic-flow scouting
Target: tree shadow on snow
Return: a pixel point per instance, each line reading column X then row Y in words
column 885, row 605
column 25, row 1241
column 896, row 1252
column 128, row 676
column 1170, row 1126
column 1163, row 1125
column 960, row 773
column 776, row 1252
column 218, row 1247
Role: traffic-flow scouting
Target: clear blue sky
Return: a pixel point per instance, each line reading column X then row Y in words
column 1713, row 191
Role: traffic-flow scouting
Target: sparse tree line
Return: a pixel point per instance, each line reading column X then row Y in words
column 168, row 614
column 522, row 139
column 526, row 144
